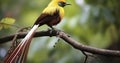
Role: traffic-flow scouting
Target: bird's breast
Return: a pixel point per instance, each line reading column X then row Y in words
column 56, row 18
column 54, row 21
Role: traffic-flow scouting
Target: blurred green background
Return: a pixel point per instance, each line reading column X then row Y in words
column 91, row 22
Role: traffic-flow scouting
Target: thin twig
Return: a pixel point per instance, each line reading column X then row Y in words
column 86, row 56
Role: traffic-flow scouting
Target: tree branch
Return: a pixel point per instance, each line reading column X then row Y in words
column 66, row 38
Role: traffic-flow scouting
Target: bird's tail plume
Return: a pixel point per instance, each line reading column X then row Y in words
column 20, row 52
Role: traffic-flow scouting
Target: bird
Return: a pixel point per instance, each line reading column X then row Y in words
column 51, row 15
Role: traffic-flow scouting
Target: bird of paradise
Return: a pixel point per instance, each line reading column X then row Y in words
column 51, row 15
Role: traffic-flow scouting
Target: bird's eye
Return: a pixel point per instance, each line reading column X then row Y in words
column 62, row 4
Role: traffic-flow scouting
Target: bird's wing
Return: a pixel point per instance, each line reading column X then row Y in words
column 45, row 18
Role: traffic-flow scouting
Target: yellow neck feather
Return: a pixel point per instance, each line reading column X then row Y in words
column 52, row 7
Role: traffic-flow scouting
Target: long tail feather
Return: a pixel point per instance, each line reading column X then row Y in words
column 20, row 53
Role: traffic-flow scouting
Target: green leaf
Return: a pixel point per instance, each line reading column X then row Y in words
column 6, row 23
column 7, row 20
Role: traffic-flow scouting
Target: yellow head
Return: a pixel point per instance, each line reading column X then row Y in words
column 56, row 5
column 60, row 3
